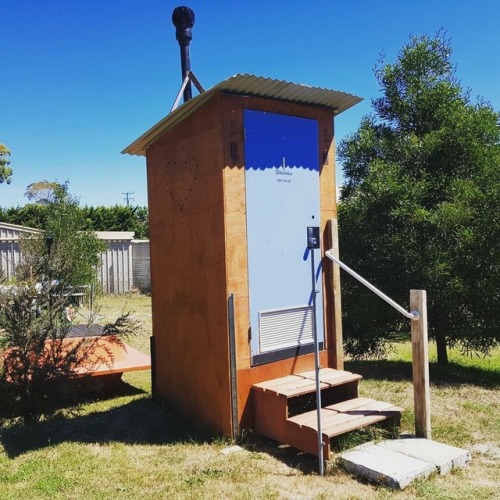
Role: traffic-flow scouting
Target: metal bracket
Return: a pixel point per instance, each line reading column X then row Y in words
column 189, row 78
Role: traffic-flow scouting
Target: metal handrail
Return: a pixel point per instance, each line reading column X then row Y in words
column 413, row 315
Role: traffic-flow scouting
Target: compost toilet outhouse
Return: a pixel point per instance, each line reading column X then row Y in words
column 241, row 179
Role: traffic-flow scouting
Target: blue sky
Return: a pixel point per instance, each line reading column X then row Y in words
column 82, row 79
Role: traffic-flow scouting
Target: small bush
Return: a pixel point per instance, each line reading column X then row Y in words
column 36, row 317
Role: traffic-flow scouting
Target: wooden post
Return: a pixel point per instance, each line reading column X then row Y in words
column 337, row 305
column 420, row 356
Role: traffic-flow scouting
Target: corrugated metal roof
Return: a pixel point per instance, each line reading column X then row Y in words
column 115, row 235
column 13, row 231
column 249, row 85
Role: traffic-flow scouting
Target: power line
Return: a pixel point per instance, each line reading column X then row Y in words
column 128, row 198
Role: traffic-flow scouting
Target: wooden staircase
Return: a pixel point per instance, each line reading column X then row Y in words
column 285, row 409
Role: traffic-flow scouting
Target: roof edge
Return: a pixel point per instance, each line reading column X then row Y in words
column 248, row 85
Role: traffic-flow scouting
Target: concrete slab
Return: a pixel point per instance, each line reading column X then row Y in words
column 381, row 465
column 397, row 463
column 443, row 456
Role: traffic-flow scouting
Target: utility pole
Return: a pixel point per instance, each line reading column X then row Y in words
column 128, row 198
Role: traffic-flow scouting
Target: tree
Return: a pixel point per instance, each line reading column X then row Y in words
column 65, row 251
column 38, row 364
column 30, row 215
column 420, row 205
column 42, row 192
column 5, row 170
column 116, row 218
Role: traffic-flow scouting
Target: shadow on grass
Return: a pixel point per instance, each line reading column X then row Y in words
column 450, row 374
column 308, row 464
column 142, row 421
column 69, row 395
column 293, row 458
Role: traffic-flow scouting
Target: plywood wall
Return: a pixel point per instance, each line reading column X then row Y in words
column 186, row 207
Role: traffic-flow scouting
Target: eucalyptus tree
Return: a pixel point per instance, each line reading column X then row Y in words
column 5, row 170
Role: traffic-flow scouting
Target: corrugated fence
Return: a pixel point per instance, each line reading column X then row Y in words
column 9, row 247
column 124, row 265
column 140, row 265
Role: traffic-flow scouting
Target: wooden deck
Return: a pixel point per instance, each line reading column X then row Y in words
column 94, row 356
column 106, row 356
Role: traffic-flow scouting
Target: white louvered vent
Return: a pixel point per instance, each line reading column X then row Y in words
column 284, row 328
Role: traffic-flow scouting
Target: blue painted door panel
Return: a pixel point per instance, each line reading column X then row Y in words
column 282, row 198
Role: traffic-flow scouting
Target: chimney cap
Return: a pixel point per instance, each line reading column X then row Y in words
column 183, row 18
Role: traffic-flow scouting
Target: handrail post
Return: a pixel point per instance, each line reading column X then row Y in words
column 338, row 348
column 420, row 357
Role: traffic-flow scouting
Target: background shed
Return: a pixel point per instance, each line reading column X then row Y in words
column 10, row 254
column 123, row 268
column 115, row 274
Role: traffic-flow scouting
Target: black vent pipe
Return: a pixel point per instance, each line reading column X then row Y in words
column 183, row 19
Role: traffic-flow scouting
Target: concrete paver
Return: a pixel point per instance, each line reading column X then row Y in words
column 443, row 456
column 397, row 463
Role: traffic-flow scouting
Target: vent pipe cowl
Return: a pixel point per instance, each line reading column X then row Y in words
column 183, row 20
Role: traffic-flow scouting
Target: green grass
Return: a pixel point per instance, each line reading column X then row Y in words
column 128, row 446
column 465, row 399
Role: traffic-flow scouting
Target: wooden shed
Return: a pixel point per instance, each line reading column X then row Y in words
column 235, row 177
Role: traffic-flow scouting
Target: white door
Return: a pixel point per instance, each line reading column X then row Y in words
column 282, row 197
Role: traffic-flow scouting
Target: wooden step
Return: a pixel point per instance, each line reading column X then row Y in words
column 337, row 419
column 275, row 402
column 347, row 416
column 303, row 383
